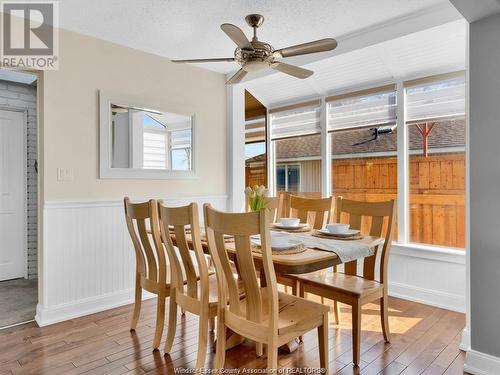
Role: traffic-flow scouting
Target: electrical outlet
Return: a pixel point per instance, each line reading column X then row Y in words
column 65, row 174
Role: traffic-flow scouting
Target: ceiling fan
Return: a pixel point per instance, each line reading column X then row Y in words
column 255, row 55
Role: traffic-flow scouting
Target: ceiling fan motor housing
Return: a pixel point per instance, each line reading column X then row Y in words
column 257, row 59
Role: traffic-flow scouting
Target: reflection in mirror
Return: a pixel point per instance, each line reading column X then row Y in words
column 148, row 139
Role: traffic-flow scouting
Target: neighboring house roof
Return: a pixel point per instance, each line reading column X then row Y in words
column 444, row 135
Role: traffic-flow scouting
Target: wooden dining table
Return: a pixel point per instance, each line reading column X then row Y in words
column 307, row 261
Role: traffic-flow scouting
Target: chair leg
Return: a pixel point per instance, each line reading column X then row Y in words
column 356, row 332
column 272, row 355
column 384, row 317
column 259, row 349
column 336, row 312
column 336, row 305
column 202, row 341
column 296, row 288
column 172, row 323
column 301, row 294
column 137, row 303
column 220, row 351
column 211, row 324
column 323, row 344
column 160, row 320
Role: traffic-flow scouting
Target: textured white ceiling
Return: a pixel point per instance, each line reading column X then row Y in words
column 191, row 28
column 436, row 50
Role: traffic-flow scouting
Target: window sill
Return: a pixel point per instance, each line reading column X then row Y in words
column 450, row 255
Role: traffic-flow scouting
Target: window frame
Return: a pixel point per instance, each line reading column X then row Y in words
column 402, row 152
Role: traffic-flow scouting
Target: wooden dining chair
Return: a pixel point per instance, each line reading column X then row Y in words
column 348, row 287
column 151, row 263
column 264, row 315
column 316, row 212
column 273, row 204
column 193, row 288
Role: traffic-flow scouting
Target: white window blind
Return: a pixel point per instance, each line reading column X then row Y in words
column 255, row 130
column 180, row 149
column 180, row 139
column 155, row 150
column 359, row 110
column 435, row 100
column 295, row 121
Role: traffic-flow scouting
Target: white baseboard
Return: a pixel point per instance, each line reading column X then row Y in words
column 431, row 297
column 55, row 314
column 478, row 363
column 465, row 342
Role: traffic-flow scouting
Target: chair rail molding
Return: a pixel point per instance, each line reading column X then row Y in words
column 88, row 258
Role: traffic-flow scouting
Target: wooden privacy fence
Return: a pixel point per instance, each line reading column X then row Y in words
column 437, row 192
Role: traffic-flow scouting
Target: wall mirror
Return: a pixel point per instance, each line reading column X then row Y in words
column 140, row 141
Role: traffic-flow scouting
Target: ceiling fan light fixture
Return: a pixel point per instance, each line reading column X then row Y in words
column 255, row 66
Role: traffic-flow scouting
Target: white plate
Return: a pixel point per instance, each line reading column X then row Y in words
column 281, row 226
column 291, row 243
column 348, row 233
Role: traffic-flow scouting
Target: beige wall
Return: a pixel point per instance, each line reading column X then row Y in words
column 70, row 118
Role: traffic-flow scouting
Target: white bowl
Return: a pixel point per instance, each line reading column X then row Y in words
column 290, row 221
column 337, row 228
column 280, row 239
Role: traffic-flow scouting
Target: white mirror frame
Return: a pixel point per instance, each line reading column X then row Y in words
column 105, row 170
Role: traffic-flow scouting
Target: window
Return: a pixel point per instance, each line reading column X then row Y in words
column 255, row 152
column 436, row 127
column 297, row 148
column 364, row 150
column 255, row 164
column 364, row 145
column 288, row 178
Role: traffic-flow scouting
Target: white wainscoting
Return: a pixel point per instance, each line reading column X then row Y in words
column 432, row 276
column 88, row 258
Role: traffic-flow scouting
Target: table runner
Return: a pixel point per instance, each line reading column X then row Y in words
column 346, row 250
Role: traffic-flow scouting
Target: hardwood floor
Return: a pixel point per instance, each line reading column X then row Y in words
column 424, row 341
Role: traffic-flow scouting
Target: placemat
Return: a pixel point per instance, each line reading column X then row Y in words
column 295, row 249
column 298, row 230
column 358, row 236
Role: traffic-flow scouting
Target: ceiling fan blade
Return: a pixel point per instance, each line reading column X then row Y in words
column 321, row 45
column 292, row 70
column 222, row 59
column 237, row 77
column 236, row 35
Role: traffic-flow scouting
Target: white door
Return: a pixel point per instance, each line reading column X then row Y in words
column 12, row 196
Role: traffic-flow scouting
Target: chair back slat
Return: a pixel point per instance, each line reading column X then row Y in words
column 314, row 211
column 150, row 257
column 148, row 250
column 242, row 227
column 378, row 216
column 181, row 221
column 247, row 272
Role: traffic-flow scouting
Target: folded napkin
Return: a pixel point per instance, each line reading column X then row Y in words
column 346, row 250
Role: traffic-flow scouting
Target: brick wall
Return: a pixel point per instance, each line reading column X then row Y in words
column 22, row 96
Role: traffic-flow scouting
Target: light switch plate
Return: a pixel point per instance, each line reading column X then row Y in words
column 65, row 174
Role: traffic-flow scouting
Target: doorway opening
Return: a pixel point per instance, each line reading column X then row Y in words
column 18, row 197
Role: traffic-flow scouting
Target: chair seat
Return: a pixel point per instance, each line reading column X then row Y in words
column 295, row 314
column 341, row 283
